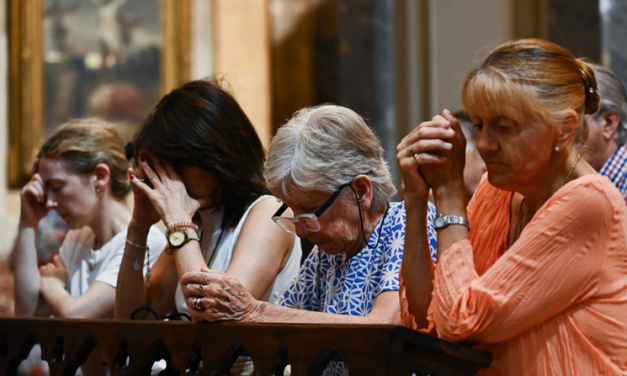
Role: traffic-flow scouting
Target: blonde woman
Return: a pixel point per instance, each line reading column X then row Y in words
column 534, row 269
column 81, row 172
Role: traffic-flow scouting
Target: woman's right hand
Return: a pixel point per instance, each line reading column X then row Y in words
column 168, row 194
column 144, row 214
column 33, row 200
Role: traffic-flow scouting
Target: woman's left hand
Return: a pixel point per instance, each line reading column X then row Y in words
column 55, row 269
column 222, row 298
column 169, row 196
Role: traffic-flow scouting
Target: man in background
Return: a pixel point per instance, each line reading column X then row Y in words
column 605, row 149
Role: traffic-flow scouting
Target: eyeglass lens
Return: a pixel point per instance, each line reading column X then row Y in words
column 308, row 223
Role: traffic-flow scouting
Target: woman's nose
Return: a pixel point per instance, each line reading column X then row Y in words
column 486, row 143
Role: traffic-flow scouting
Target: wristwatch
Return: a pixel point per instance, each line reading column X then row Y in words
column 443, row 220
column 180, row 237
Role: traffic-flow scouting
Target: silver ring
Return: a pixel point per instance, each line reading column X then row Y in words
column 200, row 287
column 196, row 304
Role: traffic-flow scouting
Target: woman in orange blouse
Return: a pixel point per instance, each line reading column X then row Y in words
column 540, row 280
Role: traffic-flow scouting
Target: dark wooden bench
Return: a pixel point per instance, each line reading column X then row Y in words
column 131, row 347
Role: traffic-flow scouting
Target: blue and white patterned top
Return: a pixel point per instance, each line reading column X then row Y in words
column 332, row 284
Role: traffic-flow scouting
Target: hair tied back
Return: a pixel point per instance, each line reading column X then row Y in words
column 592, row 97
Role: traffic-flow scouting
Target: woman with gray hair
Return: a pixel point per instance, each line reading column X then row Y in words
column 327, row 167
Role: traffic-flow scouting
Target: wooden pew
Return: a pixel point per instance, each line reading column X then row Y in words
column 131, row 347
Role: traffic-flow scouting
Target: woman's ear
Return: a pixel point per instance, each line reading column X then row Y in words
column 101, row 176
column 569, row 127
column 363, row 186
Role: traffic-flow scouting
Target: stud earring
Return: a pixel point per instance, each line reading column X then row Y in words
column 364, row 207
column 557, row 148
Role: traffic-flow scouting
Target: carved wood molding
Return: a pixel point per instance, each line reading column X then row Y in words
column 131, row 347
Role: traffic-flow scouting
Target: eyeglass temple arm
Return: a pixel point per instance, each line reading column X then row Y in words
column 330, row 201
column 281, row 210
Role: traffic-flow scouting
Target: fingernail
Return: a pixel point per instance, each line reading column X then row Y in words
column 448, row 145
column 132, row 177
column 141, row 159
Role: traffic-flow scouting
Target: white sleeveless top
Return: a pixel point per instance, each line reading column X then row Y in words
column 221, row 260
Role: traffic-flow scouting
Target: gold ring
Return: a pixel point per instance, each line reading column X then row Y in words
column 417, row 157
column 410, row 150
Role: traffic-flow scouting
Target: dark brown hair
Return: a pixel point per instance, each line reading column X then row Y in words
column 200, row 124
column 533, row 77
column 83, row 144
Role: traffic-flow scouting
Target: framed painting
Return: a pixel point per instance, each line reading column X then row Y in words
column 110, row 59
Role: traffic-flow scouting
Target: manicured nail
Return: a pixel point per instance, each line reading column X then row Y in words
column 132, row 177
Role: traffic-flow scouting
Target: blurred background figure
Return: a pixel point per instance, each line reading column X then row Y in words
column 605, row 149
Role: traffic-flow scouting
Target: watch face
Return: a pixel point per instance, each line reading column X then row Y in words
column 439, row 222
column 177, row 238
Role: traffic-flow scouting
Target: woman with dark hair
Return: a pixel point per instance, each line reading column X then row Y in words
column 200, row 171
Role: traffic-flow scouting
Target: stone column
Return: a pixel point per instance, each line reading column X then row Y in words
column 614, row 37
column 367, row 75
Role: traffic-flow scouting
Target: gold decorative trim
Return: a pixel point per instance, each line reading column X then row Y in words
column 26, row 87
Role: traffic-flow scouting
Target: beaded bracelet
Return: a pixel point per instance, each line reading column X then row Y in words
column 136, row 263
column 179, row 226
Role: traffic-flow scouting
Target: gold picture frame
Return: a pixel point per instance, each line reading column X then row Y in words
column 26, row 73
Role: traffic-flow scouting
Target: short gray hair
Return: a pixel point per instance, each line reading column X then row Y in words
column 324, row 147
column 613, row 98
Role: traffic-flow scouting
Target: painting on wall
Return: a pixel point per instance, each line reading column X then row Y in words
column 109, row 59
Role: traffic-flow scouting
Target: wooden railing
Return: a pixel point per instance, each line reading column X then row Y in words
column 131, row 347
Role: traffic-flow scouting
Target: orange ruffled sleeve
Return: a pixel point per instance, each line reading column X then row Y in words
column 554, row 265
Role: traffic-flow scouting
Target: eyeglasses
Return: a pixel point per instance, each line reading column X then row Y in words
column 308, row 221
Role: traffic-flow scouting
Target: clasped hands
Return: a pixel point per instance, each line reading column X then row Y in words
column 432, row 156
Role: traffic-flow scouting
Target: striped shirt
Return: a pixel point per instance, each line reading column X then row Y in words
column 615, row 169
